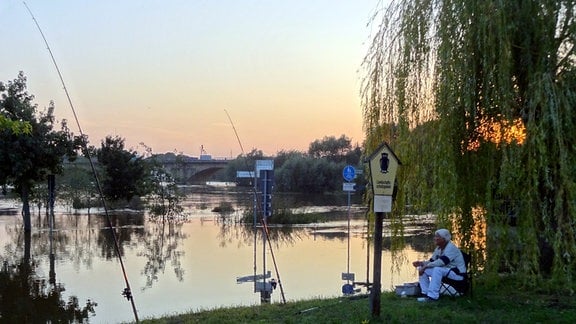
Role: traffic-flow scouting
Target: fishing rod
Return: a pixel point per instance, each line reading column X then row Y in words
column 266, row 229
column 254, row 267
column 235, row 132
column 263, row 220
column 127, row 292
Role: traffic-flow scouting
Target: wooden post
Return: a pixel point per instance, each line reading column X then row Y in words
column 383, row 165
column 377, row 272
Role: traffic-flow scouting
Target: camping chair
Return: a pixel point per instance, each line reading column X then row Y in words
column 459, row 287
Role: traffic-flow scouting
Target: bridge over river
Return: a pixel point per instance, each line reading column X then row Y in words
column 184, row 169
column 187, row 170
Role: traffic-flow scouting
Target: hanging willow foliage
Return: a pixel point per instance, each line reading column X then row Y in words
column 478, row 99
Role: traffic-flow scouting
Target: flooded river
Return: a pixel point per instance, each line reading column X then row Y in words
column 193, row 262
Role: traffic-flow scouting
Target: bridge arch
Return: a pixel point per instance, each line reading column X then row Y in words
column 187, row 170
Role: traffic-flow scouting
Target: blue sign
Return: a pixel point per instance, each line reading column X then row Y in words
column 347, row 289
column 349, row 173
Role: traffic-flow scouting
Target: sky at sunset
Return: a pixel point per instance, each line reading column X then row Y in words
column 164, row 73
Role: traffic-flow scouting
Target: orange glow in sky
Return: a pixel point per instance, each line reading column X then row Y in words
column 164, row 72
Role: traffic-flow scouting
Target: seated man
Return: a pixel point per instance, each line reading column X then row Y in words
column 446, row 261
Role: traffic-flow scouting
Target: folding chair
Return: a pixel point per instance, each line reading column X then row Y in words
column 459, row 287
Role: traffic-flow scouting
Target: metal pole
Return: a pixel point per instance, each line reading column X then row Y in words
column 264, row 234
column 254, row 244
column 255, row 229
column 368, row 257
column 348, row 259
column 263, row 291
column 255, row 198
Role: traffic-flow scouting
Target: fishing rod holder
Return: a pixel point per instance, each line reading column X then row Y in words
column 127, row 293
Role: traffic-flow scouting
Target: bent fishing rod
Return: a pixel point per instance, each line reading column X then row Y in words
column 127, row 292
column 263, row 221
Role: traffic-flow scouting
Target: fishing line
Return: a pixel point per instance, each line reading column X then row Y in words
column 263, row 221
column 127, row 292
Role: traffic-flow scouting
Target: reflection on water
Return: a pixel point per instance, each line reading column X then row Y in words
column 162, row 245
column 177, row 264
column 27, row 297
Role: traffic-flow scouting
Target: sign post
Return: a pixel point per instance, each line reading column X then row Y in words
column 383, row 166
column 349, row 174
column 264, row 170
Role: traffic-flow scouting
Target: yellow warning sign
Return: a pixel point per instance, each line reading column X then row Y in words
column 383, row 167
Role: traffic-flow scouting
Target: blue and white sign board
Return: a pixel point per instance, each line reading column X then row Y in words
column 348, row 186
column 264, row 165
column 244, row 174
column 349, row 173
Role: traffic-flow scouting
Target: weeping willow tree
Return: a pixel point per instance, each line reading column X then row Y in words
column 478, row 99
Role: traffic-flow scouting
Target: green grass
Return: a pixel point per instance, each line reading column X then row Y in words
column 505, row 305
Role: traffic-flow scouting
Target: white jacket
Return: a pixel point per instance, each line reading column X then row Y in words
column 450, row 257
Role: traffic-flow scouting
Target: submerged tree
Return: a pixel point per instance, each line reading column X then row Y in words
column 477, row 99
column 29, row 156
column 125, row 171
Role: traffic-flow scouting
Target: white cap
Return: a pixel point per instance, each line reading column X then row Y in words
column 444, row 233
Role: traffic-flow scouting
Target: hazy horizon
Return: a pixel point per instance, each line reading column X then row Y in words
column 164, row 73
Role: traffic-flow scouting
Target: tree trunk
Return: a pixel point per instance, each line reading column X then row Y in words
column 27, row 247
column 26, row 209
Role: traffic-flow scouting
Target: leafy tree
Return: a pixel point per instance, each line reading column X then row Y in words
column 28, row 158
column 284, row 156
column 295, row 171
column 496, row 96
column 292, row 175
column 244, row 163
column 77, row 185
column 16, row 126
column 354, row 155
column 330, row 147
column 164, row 199
column 310, row 175
column 125, row 172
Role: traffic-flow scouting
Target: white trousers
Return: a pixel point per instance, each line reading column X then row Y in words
column 431, row 280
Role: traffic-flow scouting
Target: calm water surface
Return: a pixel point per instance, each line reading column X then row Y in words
column 192, row 262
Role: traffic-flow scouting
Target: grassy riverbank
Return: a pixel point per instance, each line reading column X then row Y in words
column 503, row 305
